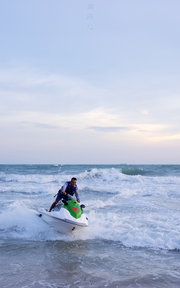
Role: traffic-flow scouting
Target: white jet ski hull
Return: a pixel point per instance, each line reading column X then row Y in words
column 62, row 222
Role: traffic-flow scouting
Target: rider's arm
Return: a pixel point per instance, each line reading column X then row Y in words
column 77, row 194
column 63, row 189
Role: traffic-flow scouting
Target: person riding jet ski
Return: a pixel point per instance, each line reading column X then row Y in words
column 69, row 188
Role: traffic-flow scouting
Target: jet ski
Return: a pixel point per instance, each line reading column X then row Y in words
column 66, row 216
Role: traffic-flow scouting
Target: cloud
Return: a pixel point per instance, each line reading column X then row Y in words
column 23, row 89
column 37, row 125
column 27, row 89
column 36, row 100
column 109, row 128
column 92, row 118
column 164, row 138
column 99, row 120
column 144, row 112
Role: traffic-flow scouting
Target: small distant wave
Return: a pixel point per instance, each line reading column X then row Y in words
column 152, row 170
column 99, row 179
column 133, row 171
column 100, row 174
column 29, row 178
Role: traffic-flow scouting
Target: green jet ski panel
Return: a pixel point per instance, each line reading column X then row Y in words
column 74, row 208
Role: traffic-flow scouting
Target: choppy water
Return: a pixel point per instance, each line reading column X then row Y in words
column 133, row 238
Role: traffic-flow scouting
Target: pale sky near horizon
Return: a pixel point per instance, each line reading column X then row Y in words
column 94, row 82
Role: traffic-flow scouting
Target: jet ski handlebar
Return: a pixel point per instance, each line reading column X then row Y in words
column 66, row 203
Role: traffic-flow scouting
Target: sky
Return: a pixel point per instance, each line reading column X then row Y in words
column 89, row 81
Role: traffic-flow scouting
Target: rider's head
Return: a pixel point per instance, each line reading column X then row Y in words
column 73, row 181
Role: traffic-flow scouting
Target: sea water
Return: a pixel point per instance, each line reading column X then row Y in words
column 133, row 238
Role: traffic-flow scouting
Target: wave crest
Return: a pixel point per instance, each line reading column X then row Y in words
column 133, row 171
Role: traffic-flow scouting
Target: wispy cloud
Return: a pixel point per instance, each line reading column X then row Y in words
column 32, row 90
column 163, row 138
column 37, row 125
column 98, row 120
column 40, row 101
column 109, row 128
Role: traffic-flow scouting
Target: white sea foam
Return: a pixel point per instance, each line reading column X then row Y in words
column 138, row 211
column 20, row 222
column 138, row 229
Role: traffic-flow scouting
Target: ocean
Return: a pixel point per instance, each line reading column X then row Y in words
column 133, row 238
